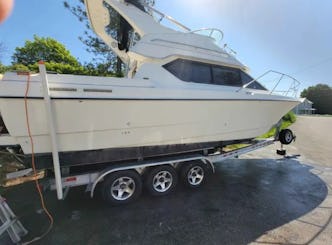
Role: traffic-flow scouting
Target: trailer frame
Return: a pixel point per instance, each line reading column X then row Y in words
column 91, row 179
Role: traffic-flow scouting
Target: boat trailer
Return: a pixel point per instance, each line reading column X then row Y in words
column 119, row 181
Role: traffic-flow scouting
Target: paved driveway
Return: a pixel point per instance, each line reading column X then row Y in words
column 314, row 139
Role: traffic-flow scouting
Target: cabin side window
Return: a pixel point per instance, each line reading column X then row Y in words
column 247, row 79
column 226, row 76
column 198, row 72
column 180, row 69
column 190, row 71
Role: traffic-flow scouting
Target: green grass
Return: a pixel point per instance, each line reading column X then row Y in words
column 234, row 147
column 271, row 133
column 287, row 120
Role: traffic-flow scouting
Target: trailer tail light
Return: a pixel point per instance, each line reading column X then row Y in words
column 70, row 179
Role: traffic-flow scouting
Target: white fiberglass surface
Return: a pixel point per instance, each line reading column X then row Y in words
column 98, row 124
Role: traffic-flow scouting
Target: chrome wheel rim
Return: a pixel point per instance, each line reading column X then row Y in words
column 123, row 188
column 195, row 175
column 162, row 181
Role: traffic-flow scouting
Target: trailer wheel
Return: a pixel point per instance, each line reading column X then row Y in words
column 193, row 174
column 286, row 136
column 161, row 180
column 122, row 187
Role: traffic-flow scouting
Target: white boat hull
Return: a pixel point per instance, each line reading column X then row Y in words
column 90, row 124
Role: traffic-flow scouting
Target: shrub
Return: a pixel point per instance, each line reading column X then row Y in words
column 289, row 117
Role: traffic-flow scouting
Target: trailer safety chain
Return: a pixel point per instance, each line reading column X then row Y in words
column 50, row 217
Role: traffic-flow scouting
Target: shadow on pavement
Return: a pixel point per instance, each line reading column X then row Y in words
column 241, row 201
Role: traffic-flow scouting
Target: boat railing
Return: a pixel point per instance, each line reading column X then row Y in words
column 214, row 33
column 162, row 16
column 277, row 83
column 217, row 35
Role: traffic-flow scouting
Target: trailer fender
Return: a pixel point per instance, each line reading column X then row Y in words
column 104, row 173
column 209, row 163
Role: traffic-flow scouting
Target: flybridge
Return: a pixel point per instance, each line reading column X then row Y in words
column 141, row 22
column 153, row 40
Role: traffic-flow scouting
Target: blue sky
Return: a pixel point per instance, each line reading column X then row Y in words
column 294, row 37
column 46, row 18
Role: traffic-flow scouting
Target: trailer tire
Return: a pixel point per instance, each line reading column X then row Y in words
column 286, row 136
column 161, row 180
column 193, row 174
column 121, row 187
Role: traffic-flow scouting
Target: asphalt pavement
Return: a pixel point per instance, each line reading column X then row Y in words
column 314, row 139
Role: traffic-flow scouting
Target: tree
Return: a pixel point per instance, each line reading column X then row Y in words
column 2, row 50
column 55, row 55
column 105, row 58
column 103, row 54
column 46, row 49
column 2, row 68
column 321, row 96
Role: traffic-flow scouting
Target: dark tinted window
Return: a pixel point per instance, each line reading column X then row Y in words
column 180, row 69
column 247, row 79
column 190, row 71
column 200, row 73
column 226, row 76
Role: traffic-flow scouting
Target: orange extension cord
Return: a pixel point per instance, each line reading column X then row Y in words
column 33, row 163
